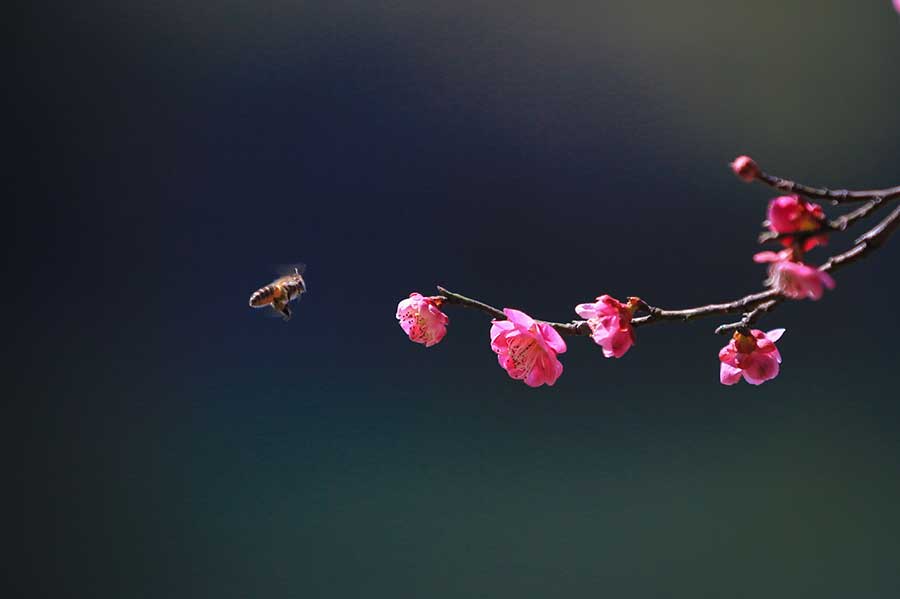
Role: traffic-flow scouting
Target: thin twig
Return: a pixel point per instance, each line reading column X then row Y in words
column 866, row 244
column 576, row 327
column 839, row 196
column 461, row 300
column 659, row 314
column 743, row 325
column 842, row 222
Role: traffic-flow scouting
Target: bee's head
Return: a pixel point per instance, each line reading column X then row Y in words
column 295, row 280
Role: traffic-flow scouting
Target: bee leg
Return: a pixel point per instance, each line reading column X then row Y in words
column 281, row 307
column 286, row 311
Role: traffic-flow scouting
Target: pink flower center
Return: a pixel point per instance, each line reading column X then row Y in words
column 783, row 278
column 745, row 343
column 523, row 351
column 789, row 278
column 419, row 329
column 808, row 222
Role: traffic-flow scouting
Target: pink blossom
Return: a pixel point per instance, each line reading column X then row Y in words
column 795, row 280
column 610, row 322
column 897, row 5
column 421, row 319
column 790, row 214
column 746, row 168
column 527, row 349
column 754, row 356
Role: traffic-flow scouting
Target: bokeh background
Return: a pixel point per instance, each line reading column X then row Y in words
column 534, row 154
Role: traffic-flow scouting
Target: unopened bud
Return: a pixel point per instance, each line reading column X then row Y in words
column 745, row 168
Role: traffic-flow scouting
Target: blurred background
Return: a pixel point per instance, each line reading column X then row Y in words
column 534, row 155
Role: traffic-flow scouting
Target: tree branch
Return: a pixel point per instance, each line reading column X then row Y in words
column 866, row 244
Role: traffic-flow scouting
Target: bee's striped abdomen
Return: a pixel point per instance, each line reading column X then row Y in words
column 265, row 296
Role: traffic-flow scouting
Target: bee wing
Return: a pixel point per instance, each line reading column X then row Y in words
column 289, row 269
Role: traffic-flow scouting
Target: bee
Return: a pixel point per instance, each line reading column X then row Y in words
column 280, row 292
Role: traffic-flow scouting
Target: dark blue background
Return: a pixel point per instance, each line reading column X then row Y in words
column 534, row 155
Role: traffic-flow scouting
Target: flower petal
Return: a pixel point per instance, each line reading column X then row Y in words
column 761, row 257
column 775, row 334
column 587, row 311
column 729, row 375
column 552, row 338
column 519, row 318
column 761, row 369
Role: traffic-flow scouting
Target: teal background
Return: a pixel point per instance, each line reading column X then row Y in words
column 177, row 444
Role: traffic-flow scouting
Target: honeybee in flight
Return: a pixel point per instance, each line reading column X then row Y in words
column 280, row 292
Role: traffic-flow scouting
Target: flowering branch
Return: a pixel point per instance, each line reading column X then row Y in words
column 868, row 242
column 832, row 226
column 527, row 348
column 842, row 223
column 761, row 302
column 654, row 314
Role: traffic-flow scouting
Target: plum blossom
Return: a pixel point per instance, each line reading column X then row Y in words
column 746, row 168
column 421, row 319
column 790, row 214
column 610, row 323
column 753, row 356
column 793, row 279
column 897, row 5
column 527, row 349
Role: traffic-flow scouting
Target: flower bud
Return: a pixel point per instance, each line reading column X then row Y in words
column 746, row 168
column 610, row 323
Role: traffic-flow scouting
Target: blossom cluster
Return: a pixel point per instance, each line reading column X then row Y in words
column 528, row 349
column 800, row 226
